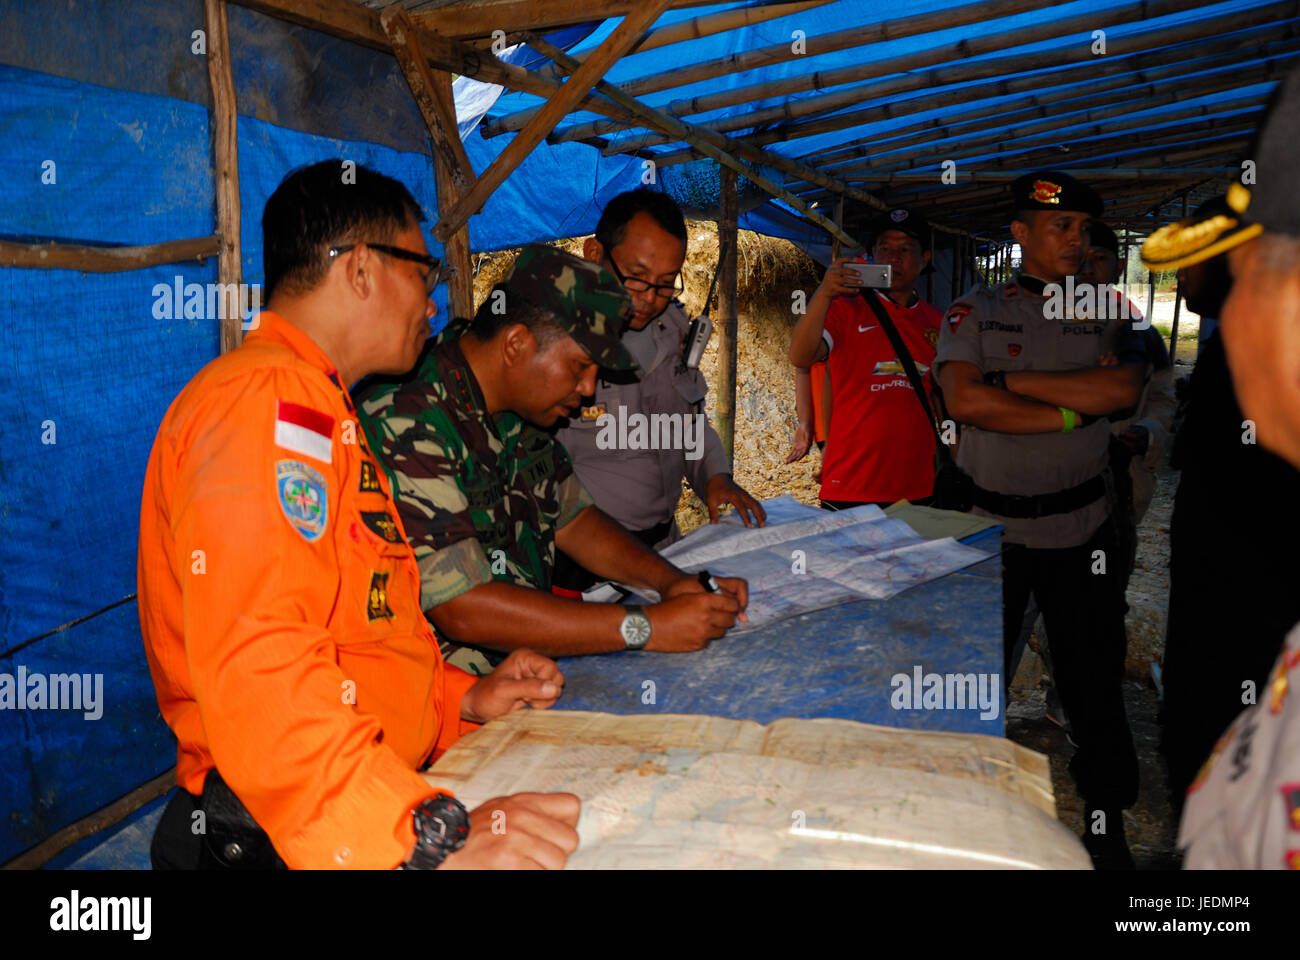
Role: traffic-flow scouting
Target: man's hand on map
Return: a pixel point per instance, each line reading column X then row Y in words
column 722, row 489
column 688, row 621
column 690, row 583
column 524, row 679
column 526, row 831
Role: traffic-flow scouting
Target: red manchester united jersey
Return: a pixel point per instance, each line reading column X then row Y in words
column 880, row 447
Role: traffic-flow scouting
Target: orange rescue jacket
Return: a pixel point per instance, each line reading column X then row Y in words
column 279, row 604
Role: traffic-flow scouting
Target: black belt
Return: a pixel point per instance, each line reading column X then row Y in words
column 1032, row 506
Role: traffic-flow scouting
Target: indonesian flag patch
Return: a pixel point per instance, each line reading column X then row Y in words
column 304, row 430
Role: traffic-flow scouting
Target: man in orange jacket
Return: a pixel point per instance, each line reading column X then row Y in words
column 279, row 601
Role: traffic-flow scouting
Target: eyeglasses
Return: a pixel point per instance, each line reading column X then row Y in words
column 641, row 286
column 437, row 272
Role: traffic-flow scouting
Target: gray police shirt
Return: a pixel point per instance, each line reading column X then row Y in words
column 1243, row 810
column 1008, row 328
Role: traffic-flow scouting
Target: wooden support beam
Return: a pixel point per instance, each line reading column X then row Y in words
column 87, row 259
column 922, row 75
column 350, row 21
column 225, row 155
column 1178, row 302
column 479, row 19
column 1004, row 176
column 102, row 819
column 1063, row 108
column 627, row 33
column 439, row 115
column 453, row 173
column 713, row 146
column 1206, row 117
column 839, row 222
column 705, row 26
column 858, row 36
column 725, row 400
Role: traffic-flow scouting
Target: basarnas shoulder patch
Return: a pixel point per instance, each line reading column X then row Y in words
column 304, row 498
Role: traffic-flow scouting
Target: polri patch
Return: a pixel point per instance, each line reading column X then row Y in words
column 593, row 412
column 377, row 598
column 1013, row 349
column 304, row 498
column 369, row 478
column 956, row 314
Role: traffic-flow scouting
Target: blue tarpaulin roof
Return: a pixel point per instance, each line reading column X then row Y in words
column 112, row 95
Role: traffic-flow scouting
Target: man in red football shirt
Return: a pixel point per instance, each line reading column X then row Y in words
column 880, row 448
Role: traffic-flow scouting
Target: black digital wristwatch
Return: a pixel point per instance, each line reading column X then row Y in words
column 441, row 827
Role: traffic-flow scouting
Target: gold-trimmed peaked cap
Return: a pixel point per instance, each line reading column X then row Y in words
column 1272, row 204
column 1053, row 190
column 584, row 298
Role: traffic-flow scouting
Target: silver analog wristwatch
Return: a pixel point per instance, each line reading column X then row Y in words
column 635, row 628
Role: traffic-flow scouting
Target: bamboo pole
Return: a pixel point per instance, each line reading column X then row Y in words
column 920, row 78
column 1207, row 117
column 708, row 146
column 1050, row 93
column 225, row 152
column 69, row 256
column 1178, row 301
column 101, row 819
column 706, row 26
column 858, row 36
column 839, row 222
column 725, row 405
column 1064, row 111
column 627, row 33
column 453, row 173
column 1002, row 176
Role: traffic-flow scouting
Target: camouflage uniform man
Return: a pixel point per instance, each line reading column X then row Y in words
column 1243, row 810
column 486, row 494
column 1027, row 383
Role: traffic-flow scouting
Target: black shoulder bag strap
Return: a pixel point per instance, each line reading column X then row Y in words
column 909, row 365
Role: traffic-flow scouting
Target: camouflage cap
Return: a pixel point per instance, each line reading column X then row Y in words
column 585, row 298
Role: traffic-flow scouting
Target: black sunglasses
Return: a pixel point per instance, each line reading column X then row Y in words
column 438, row 272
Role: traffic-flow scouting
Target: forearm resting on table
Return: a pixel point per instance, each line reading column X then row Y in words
column 1098, row 390
column 599, row 543
column 503, row 616
column 972, row 402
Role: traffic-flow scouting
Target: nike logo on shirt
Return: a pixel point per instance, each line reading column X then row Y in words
column 865, row 329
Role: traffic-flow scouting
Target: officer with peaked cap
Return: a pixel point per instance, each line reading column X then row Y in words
column 1020, row 369
column 1243, row 810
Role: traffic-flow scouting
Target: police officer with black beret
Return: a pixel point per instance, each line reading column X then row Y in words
column 1032, row 378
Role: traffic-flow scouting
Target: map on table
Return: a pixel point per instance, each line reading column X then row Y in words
column 681, row 791
column 807, row 558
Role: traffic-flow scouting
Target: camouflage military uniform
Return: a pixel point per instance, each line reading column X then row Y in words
column 482, row 495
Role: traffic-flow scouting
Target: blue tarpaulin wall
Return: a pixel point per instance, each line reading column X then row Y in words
column 112, row 94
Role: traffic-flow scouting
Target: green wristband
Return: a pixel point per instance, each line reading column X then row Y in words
column 1067, row 419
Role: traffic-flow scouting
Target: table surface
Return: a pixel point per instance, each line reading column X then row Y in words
column 837, row 662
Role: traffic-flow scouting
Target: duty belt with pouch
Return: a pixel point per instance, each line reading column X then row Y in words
column 954, row 488
column 232, row 840
column 1032, row 506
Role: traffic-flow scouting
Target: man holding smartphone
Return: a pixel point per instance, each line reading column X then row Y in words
column 880, row 448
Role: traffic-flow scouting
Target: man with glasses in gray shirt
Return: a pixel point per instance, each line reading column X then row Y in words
column 642, row 432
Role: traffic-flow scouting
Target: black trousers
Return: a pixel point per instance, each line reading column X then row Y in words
column 1083, row 612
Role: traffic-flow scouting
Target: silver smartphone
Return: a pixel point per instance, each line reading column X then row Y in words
column 876, row 275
